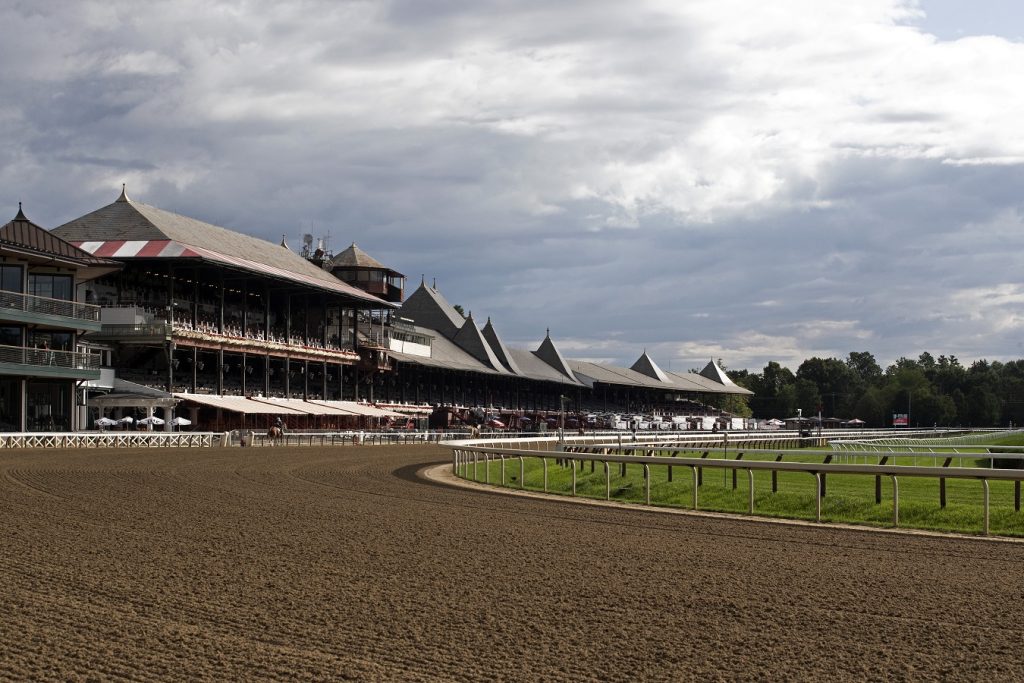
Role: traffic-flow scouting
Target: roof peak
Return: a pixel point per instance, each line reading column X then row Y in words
column 21, row 215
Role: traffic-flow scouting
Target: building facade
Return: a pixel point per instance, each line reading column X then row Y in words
column 43, row 318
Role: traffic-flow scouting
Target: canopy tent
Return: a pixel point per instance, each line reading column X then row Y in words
column 240, row 404
column 360, row 408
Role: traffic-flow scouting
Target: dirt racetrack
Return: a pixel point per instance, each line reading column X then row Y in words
column 310, row 563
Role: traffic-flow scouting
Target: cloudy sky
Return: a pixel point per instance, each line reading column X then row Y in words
column 712, row 178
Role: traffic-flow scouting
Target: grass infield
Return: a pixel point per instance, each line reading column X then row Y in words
column 849, row 498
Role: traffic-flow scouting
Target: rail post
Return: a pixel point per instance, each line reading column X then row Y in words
column 607, row 481
column 545, row 461
column 1016, row 496
column 455, row 462
column 694, row 487
column 476, row 459
column 573, row 477
column 750, row 483
column 487, row 468
column 502, row 470
column 646, row 477
column 817, row 498
column 984, row 488
column 522, row 473
column 895, row 501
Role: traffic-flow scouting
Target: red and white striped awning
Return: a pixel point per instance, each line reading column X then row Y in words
column 172, row 249
column 137, row 249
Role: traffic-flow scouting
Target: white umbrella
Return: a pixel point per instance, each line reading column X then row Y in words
column 105, row 422
column 179, row 421
column 152, row 420
column 127, row 419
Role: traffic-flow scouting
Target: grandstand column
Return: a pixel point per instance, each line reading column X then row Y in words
column 305, row 379
column 242, row 369
column 220, row 367
column 287, row 377
column 220, row 310
column 323, row 379
column 266, row 374
column 194, row 304
column 288, row 318
column 170, row 365
column 195, row 362
column 266, row 322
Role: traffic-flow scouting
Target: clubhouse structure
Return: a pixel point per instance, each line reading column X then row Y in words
column 170, row 316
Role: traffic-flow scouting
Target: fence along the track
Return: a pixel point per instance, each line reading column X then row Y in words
column 467, row 456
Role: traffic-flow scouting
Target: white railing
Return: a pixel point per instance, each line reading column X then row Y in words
column 43, row 305
column 468, row 454
column 352, row 437
column 113, row 440
column 23, row 355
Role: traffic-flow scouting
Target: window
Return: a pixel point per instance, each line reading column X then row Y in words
column 10, row 335
column 50, row 286
column 11, row 278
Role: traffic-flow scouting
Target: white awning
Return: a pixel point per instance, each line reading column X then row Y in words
column 308, row 407
column 239, row 404
column 361, row 408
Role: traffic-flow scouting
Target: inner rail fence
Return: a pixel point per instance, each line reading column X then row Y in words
column 468, row 456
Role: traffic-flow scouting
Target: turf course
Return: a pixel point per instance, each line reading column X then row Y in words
column 848, row 499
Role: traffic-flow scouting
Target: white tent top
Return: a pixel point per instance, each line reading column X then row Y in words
column 240, row 404
column 360, row 408
column 308, row 407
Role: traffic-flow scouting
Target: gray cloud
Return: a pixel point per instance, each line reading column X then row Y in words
column 712, row 179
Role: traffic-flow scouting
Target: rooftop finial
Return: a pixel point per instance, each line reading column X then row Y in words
column 435, row 283
column 547, row 332
column 284, row 243
column 21, row 214
column 423, row 280
column 124, row 193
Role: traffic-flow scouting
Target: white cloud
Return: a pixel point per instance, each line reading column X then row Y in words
column 651, row 172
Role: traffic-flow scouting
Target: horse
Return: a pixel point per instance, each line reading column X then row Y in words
column 275, row 433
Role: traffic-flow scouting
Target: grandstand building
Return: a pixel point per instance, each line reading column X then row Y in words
column 204, row 312
column 43, row 317
column 234, row 326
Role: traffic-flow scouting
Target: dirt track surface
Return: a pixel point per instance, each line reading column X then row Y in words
column 342, row 563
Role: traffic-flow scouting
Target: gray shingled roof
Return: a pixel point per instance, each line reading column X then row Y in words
column 470, row 340
column 532, row 366
column 427, row 308
column 589, row 373
column 444, row 354
column 645, row 365
column 129, row 220
column 354, row 257
column 499, row 348
column 21, row 232
column 549, row 353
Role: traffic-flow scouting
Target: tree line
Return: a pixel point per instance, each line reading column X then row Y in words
column 931, row 391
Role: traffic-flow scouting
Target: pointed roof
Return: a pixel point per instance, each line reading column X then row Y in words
column 645, row 365
column 23, row 234
column 549, row 353
column 472, row 342
column 354, row 257
column 426, row 307
column 131, row 229
column 716, row 374
column 499, row 348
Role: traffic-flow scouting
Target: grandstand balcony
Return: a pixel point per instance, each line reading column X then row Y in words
column 46, row 312
column 42, row 363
